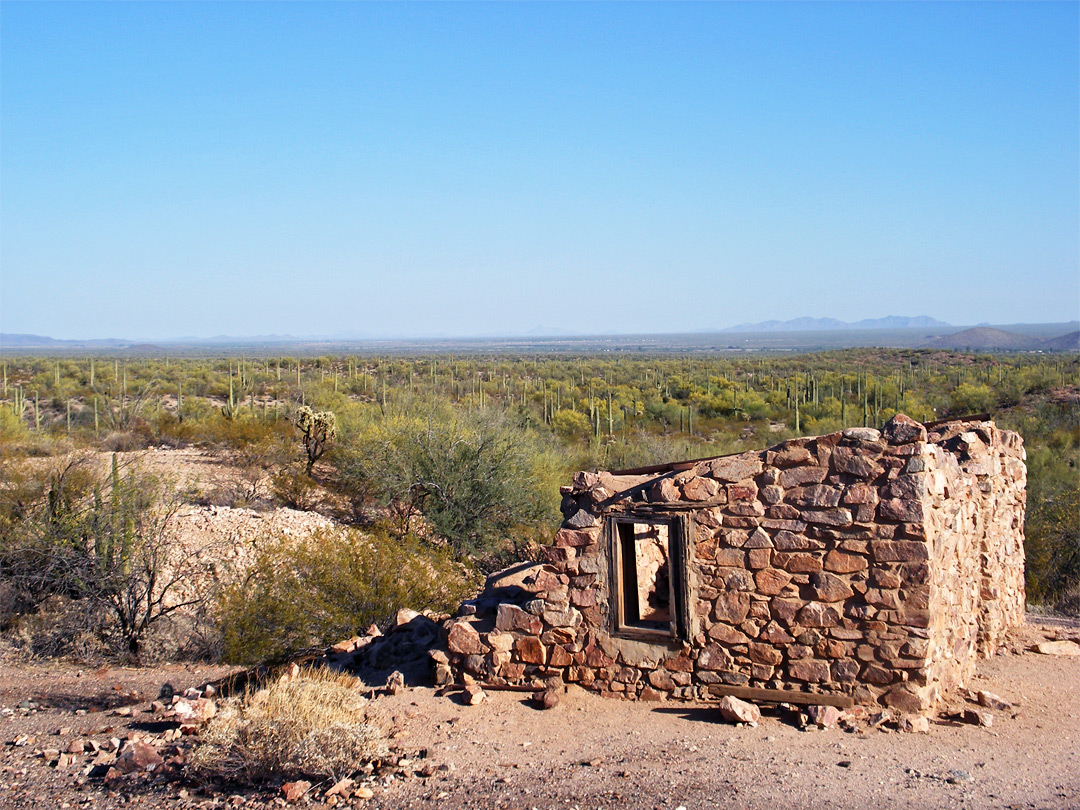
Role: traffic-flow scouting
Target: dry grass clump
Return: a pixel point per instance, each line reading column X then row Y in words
column 312, row 723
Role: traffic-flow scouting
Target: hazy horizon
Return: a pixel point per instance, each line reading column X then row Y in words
column 469, row 170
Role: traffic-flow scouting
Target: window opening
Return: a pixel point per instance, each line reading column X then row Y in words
column 648, row 577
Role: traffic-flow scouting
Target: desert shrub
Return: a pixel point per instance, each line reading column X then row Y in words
column 478, row 479
column 1053, row 541
column 100, row 540
column 124, row 441
column 305, row 592
column 292, row 486
column 12, row 428
column 970, row 399
column 240, row 431
column 59, row 626
column 314, row 724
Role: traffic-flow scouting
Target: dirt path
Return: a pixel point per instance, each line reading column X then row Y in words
column 589, row 752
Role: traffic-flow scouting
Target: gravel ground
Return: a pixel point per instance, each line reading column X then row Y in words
column 587, row 752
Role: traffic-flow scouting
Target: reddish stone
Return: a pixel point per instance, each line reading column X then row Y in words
column 664, row 491
column 573, row 538
column 855, row 462
column 902, row 429
column 789, row 541
column 512, row 671
column 841, row 563
column 759, row 558
column 771, row 581
column 137, row 757
column 829, row 588
column 859, row 494
column 713, row 658
column 830, row 517
column 901, row 511
column 726, row 634
column 809, row 670
column 660, row 679
column 816, row 614
column 831, row 648
column 730, row 557
column 877, row 675
column 903, row 700
column 765, row 654
column 583, row 597
column 559, row 657
column 530, row 650
column 738, row 522
column 746, row 509
column 786, row 609
column 558, row 554
column 745, row 491
column 680, row 663
column 511, row 617
column 907, row 487
column 845, row 670
column 797, row 562
column 295, row 791
column 775, row 634
column 736, row 468
column 816, row 495
column 758, row 539
column 772, row 493
column 786, row 525
column 464, row 640
column 790, row 456
column 899, row 550
column 596, row 657
column 733, row 579
column 731, row 607
column 797, row 476
column 700, row 489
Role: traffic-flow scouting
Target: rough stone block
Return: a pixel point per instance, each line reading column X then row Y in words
column 736, row 468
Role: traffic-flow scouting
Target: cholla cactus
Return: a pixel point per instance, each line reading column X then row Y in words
column 317, row 429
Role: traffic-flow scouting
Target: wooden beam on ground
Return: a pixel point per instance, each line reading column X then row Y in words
column 782, row 696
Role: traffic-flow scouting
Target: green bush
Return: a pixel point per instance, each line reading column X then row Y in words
column 478, row 479
column 308, row 592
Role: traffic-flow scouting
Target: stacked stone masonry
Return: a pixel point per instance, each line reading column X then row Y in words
column 873, row 564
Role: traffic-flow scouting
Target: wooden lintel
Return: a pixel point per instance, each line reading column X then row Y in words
column 782, row 696
column 669, row 506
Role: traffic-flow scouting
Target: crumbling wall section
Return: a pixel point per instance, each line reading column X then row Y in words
column 976, row 494
column 857, row 563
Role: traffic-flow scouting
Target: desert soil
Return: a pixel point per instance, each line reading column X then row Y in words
column 587, row 752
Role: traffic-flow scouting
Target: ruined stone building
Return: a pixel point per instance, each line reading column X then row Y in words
column 862, row 566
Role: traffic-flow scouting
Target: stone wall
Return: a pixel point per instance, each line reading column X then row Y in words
column 872, row 564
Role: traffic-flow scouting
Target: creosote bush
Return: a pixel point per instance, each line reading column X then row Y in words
column 314, row 723
column 301, row 593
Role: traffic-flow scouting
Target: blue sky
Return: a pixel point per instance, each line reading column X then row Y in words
column 397, row 169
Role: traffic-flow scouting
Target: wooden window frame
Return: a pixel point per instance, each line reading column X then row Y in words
column 680, row 541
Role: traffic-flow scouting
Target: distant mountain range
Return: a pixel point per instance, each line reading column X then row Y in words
column 8, row 341
column 988, row 339
column 831, row 324
column 801, row 334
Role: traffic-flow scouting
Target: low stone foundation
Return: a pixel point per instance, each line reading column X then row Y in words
column 869, row 564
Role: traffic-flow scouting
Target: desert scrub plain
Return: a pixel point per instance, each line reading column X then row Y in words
column 168, row 520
